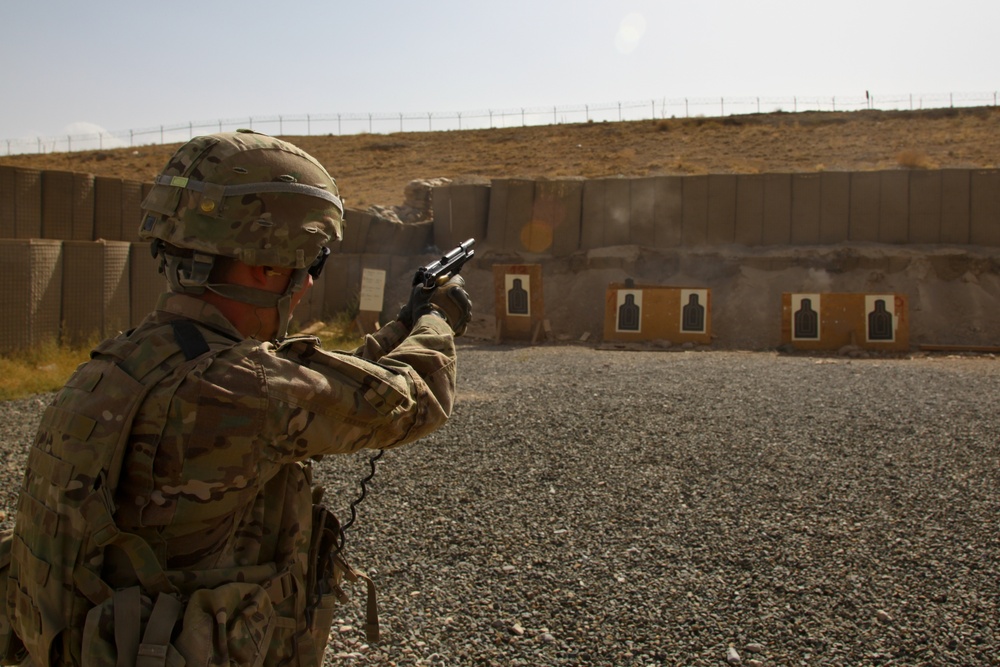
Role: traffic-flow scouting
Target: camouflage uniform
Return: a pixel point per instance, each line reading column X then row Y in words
column 167, row 515
column 213, row 478
column 228, row 429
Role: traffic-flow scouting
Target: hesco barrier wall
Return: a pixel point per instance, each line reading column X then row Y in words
column 31, row 274
column 72, row 268
column 558, row 218
column 75, row 292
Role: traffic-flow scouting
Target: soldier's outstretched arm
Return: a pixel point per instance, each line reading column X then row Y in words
column 323, row 402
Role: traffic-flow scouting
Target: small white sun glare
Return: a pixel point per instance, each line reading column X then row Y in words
column 630, row 31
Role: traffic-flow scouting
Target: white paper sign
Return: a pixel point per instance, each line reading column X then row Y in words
column 372, row 290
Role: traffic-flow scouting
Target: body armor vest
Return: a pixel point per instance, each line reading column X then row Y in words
column 59, row 600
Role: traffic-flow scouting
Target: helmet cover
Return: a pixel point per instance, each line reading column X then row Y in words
column 247, row 196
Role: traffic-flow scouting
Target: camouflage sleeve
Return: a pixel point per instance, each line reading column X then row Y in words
column 383, row 341
column 323, row 402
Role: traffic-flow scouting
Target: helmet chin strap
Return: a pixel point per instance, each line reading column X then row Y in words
column 190, row 276
column 263, row 299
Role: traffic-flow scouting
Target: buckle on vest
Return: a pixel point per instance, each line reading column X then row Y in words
column 97, row 512
column 279, row 588
column 156, row 651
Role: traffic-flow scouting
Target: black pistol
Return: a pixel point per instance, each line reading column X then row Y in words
column 440, row 270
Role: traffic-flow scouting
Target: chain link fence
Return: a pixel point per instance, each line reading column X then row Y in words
column 385, row 123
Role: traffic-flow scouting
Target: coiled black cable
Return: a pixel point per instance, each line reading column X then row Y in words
column 357, row 501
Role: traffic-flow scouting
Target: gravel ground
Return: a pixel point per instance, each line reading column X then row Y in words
column 589, row 507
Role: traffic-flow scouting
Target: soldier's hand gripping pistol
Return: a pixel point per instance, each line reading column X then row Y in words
column 438, row 288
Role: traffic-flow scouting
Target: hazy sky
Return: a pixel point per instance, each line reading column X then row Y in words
column 66, row 66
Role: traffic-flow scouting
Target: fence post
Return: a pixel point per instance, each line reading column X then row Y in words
column 69, row 143
column 338, row 123
column 459, row 120
column 429, row 128
column 586, row 108
column 951, row 100
column 722, row 106
column 220, row 126
column 131, row 138
column 190, row 130
column 522, row 116
column 652, row 109
column 686, row 115
column 308, row 126
column 619, row 112
column 555, row 121
column 281, row 127
column 833, row 102
column 758, row 105
column 795, row 104
column 400, row 121
column 490, row 112
column 369, row 123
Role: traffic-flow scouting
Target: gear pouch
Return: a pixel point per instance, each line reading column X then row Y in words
column 227, row 625
column 12, row 651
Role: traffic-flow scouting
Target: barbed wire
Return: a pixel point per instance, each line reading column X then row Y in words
column 385, row 123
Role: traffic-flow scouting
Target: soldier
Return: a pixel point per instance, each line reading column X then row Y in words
column 167, row 514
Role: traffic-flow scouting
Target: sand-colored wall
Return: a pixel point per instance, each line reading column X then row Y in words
column 560, row 217
column 898, row 207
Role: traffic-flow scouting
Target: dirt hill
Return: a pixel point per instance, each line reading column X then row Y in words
column 375, row 168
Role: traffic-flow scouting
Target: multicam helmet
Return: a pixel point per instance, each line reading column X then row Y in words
column 246, row 196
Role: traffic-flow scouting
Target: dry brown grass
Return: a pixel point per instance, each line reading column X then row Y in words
column 46, row 367
column 39, row 370
column 374, row 169
column 911, row 158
